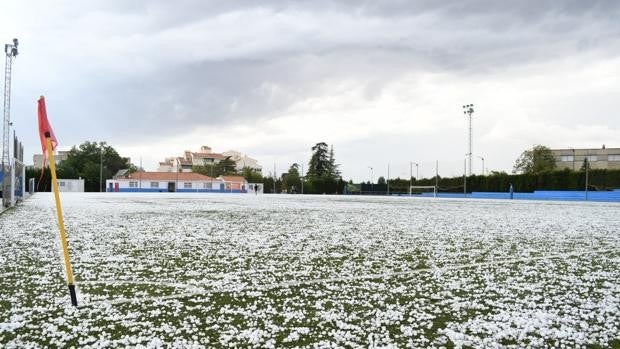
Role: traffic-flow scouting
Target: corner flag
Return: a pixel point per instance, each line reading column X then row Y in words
column 48, row 144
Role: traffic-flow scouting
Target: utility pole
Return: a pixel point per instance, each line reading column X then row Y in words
column 11, row 52
column 100, row 166
column 302, row 179
column 436, row 177
column 468, row 110
column 587, row 162
column 372, row 184
column 388, row 181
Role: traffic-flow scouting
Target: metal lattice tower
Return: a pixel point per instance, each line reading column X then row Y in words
column 11, row 52
column 468, row 109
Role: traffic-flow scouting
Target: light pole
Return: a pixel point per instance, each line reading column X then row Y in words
column 100, row 165
column 465, row 177
column 482, row 158
column 468, row 110
column 587, row 163
column 372, row 184
column 302, row 179
column 388, row 181
column 573, row 149
column 411, row 174
column 11, row 52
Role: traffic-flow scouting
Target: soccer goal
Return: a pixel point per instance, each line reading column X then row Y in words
column 419, row 189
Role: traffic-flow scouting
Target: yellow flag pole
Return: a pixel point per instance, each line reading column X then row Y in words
column 61, row 222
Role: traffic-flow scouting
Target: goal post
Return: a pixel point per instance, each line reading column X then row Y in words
column 421, row 188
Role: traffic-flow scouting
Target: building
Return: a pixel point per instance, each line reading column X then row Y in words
column 206, row 156
column 600, row 158
column 242, row 161
column 176, row 182
column 71, row 185
column 37, row 159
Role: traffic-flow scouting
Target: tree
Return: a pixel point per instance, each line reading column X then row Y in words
column 319, row 162
column 251, row 175
column 381, row 180
column 323, row 175
column 89, row 161
column 536, row 160
column 223, row 168
column 291, row 181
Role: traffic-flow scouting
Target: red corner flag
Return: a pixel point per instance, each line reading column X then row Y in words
column 45, row 127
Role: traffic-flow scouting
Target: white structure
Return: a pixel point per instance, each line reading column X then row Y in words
column 61, row 155
column 206, row 156
column 242, row 160
column 71, row 185
column 176, row 182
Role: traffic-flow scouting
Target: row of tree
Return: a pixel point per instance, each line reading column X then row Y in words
column 323, row 175
column 94, row 162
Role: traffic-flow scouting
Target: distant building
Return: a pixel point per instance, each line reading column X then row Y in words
column 37, row 159
column 242, row 161
column 176, row 182
column 189, row 159
column 206, row 156
column 599, row 158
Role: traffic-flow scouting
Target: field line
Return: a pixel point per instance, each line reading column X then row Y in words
column 284, row 284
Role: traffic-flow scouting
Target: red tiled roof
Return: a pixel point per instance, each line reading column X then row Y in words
column 233, row 178
column 167, row 176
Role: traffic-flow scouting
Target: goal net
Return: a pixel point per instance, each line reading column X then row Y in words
column 420, row 189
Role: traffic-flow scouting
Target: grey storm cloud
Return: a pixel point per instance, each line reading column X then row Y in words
column 168, row 66
column 368, row 41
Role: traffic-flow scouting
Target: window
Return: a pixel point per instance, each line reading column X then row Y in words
column 613, row 157
column 133, row 184
column 567, row 158
column 207, row 185
column 187, row 185
column 592, row 158
column 154, row 184
column 61, row 184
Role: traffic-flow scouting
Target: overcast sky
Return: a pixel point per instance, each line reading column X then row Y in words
column 382, row 81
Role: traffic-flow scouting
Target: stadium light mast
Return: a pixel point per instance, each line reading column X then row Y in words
column 468, row 109
column 11, row 52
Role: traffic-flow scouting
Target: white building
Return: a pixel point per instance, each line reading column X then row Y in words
column 71, row 185
column 242, row 160
column 206, row 156
column 37, row 159
column 176, row 182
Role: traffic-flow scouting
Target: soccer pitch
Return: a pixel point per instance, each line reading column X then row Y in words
column 195, row 270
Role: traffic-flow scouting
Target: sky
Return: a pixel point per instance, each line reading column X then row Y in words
column 383, row 82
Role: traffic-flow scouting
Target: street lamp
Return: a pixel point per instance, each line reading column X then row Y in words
column 573, row 149
column 468, row 109
column 372, row 184
column 482, row 158
column 411, row 174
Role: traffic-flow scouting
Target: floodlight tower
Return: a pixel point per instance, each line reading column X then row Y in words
column 468, row 109
column 11, row 52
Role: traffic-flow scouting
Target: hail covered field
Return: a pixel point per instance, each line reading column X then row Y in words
column 200, row 270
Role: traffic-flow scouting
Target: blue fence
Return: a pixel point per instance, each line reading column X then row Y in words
column 560, row 195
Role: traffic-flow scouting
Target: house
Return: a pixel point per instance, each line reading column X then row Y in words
column 599, row 158
column 242, row 161
column 188, row 182
column 206, row 156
